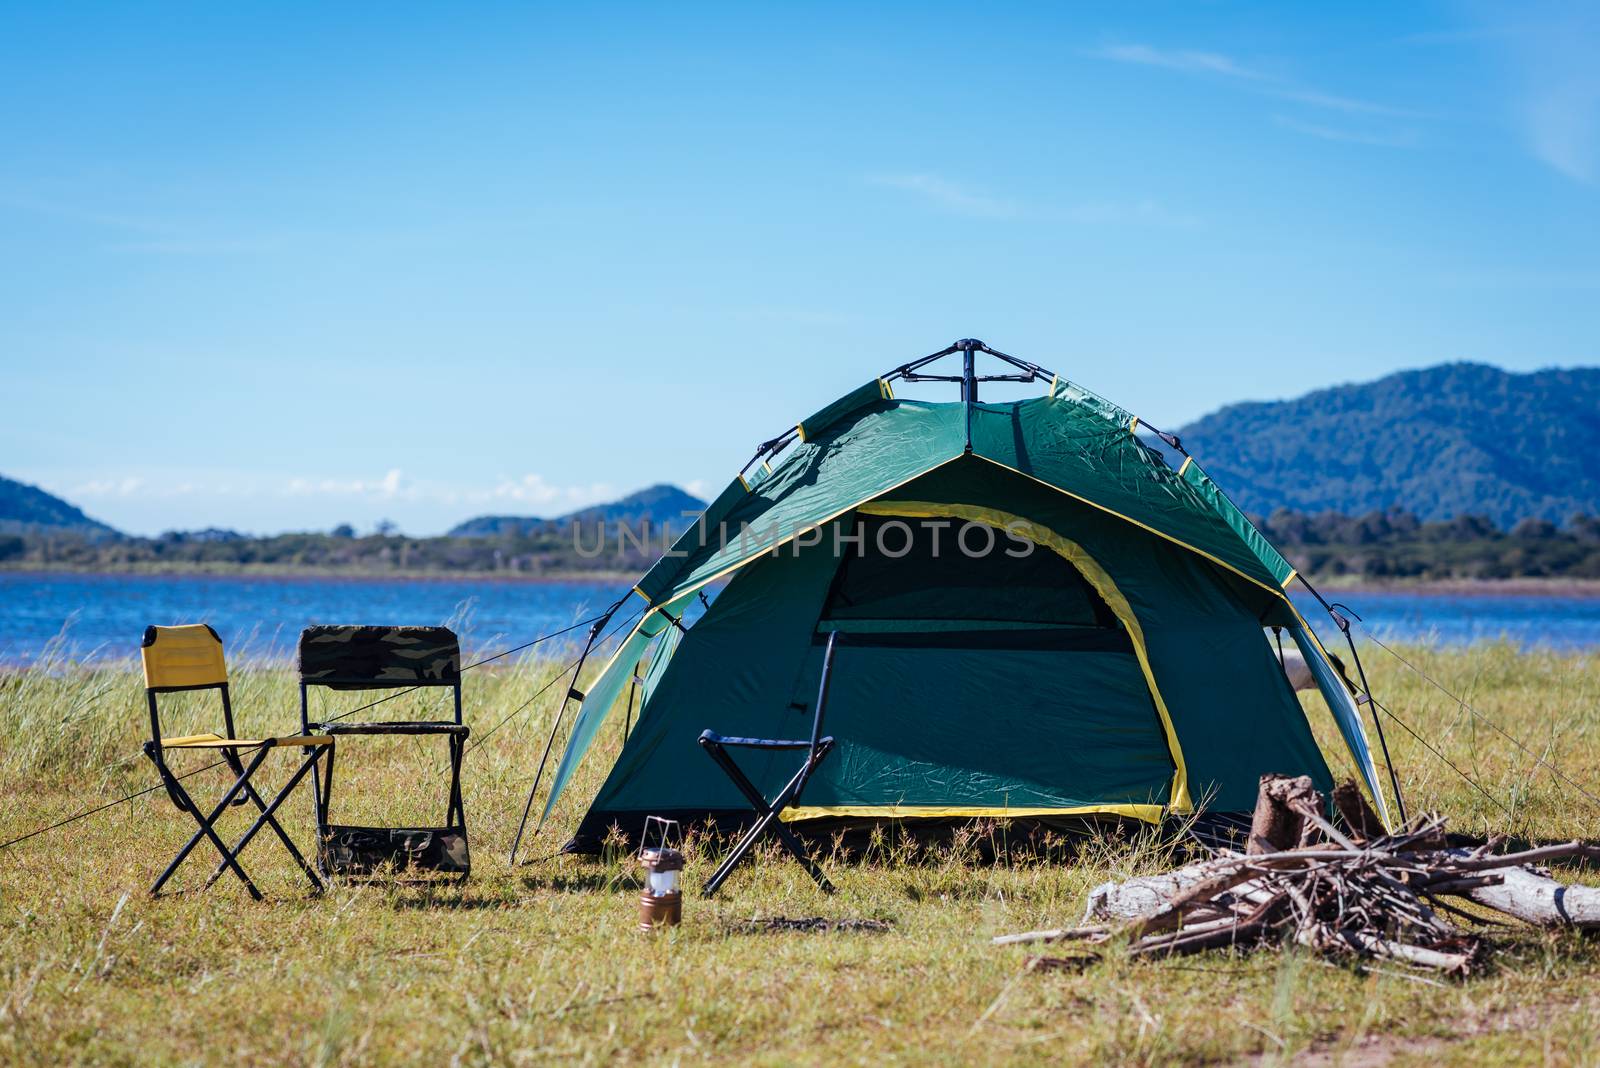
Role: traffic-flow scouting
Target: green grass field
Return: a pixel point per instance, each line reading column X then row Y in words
column 543, row 963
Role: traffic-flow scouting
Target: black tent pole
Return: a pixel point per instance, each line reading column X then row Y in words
column 1343, row 625
column 969, row 381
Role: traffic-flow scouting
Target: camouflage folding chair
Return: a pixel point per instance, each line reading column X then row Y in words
column 190, row 658
column 387, row 658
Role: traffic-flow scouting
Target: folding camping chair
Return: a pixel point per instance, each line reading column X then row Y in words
column 190, row 658
column 768, row 812
column 387, row 658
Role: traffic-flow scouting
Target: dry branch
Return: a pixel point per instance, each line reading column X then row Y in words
column 1354, row 892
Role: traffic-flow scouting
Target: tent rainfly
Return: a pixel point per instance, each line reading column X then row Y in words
column 1039, row 616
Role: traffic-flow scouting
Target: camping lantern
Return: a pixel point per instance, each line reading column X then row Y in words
column 661, row 901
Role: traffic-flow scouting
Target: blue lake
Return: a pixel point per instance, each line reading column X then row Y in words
column 104, row 615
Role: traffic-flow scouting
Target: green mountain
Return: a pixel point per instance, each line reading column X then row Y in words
column 1445, row 441
column 659, row 505
column 26, row 509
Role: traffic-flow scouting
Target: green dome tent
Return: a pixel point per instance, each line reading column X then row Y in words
column 1039, row 616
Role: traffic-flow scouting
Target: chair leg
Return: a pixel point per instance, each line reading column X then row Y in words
column 798, row 850
column 769, row 820
column 455, row 812
column 322, row 795
column 208, row 831
column 268, row 819
column 741, row 849
column 790, row 840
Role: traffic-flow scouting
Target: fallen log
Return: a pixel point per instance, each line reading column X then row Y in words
column 1538, row 899
column 1520, row 893
column 1139, row 898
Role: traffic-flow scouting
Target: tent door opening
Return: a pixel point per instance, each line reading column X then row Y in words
column 982, row 675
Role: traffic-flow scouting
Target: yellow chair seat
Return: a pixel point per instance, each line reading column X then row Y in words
column 216, row 741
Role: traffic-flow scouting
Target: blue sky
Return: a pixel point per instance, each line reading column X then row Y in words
column 277, row 267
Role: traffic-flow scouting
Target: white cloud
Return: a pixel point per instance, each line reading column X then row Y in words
column 1353, row 137
column 947, row 194
column 389, row 487
column 538, row 492
column 109, row 487
column 1560, row 116
column 1127, row 213
column 529, row 491
column 1551, row 52
column 1189, row 61
column 1548, row 49
column 203, row 246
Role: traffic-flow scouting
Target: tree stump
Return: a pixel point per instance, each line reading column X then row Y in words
column 1363, row 823
column 1276, row 826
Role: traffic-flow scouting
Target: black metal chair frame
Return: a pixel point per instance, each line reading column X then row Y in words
column 769, row 812
column 455, row 730
column 241, row 790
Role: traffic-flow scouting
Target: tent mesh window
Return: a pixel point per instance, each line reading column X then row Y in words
column 955, row 580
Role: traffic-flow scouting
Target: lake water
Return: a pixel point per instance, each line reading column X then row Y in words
column 105, row 615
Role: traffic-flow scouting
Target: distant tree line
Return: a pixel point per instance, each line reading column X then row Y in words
column 546, row 551
column 1394, row 544
column 1382, row 545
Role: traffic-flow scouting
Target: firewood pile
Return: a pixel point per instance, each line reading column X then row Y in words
column 1351, row 891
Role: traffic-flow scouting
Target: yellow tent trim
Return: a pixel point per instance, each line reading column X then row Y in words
column 781, row 542
column 743, row 481
column 1290, row 577
column 1133, row 425
column 1055, row 380
column 1142, row 526
column 1147, row 813
column 885, row 389
column 1075, row 555
column 731, row 568
column 1187, row 460
column 800, row 428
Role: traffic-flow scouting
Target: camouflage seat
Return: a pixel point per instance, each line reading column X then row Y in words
column 396, row 727
column 387, row 658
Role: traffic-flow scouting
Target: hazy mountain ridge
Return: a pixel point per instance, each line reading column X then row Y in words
column 1441, row 442
column 28, row 509
column 1445, row 441
column 661, row 504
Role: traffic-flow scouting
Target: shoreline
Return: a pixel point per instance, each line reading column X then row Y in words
column 1512, row 587
column 566, row 578
column 1338, row 584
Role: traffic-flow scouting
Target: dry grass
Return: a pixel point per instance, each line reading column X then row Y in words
column 542, row 963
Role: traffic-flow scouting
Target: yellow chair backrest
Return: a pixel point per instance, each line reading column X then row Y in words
column 182, row 657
